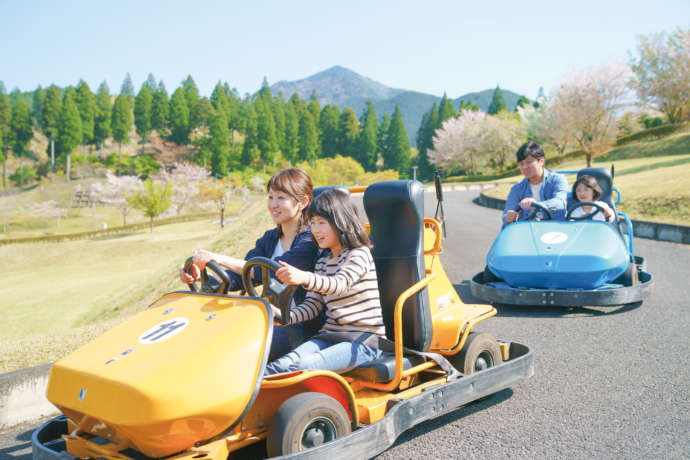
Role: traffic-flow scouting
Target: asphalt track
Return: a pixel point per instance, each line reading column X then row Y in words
column 609, row 383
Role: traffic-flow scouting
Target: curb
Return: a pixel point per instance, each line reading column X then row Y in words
column 22, row 396
column 641, row 228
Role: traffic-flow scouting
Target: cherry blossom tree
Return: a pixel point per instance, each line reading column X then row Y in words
column 542, row 126
column 662, row 72
column 114, row 191
column 185, row 179
column 587, row 105
column 457, row 142
column 500, row 138
column 219, row 192
column 48, row 210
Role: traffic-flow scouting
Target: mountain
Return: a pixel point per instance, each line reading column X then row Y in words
column 345, row 88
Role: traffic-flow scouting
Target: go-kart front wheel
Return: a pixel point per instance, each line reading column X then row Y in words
column 481, row 351
column 304, row 421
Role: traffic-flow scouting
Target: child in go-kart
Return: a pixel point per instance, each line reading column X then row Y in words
column 586, row 188
column 344, row 284
column 289, row 195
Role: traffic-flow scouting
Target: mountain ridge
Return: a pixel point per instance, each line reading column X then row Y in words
column 344, row 87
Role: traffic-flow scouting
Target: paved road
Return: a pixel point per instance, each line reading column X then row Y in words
column 608, row 383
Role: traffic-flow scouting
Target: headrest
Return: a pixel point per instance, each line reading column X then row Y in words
column 604, row 179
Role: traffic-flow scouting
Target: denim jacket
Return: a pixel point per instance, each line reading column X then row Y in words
column 554, row 192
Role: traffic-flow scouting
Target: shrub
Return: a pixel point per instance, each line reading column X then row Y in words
column 24, row 175
column 650, row 133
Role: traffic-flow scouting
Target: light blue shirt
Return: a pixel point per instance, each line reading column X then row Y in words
column 554, row 192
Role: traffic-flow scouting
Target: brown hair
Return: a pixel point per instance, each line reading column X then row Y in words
column 336, row 207
column 590, row 182
column 295, row 183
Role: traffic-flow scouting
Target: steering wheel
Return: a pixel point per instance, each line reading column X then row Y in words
column 273, row 290
column 538, row 210
column 590, row 215
column 203, row 275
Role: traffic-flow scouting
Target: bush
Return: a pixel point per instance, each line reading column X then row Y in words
column 650, row 133
column 24, row 175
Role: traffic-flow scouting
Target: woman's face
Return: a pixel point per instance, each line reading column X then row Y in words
column 283, row 207
column 325, row 235
column 584, row 193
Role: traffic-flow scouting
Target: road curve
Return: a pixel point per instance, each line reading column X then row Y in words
column 608, row 383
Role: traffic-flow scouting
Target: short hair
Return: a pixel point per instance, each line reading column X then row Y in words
column 336, row 207
column 530, row 149
column 590, row 182
column 295, row 183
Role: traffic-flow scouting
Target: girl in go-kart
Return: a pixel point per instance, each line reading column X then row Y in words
column 585, row 189
column 289, row 195
column 343, row 284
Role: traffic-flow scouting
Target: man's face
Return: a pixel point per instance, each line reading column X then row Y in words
column 532, row 168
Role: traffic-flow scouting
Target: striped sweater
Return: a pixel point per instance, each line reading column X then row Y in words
column 348, row 289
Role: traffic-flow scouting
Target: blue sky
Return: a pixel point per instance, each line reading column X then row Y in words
column 428, row 46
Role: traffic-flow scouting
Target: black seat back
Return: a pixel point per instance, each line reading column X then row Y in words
column 396, row 216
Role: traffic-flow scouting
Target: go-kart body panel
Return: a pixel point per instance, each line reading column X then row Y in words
column 558, row 255
column 183, row 376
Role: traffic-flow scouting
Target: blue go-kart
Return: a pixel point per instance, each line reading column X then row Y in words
column 573, row 263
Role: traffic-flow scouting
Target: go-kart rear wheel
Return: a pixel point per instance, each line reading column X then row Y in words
column 481, row 351
column 306, row 420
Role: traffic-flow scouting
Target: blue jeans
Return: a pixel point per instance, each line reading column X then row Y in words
column 287, row 338
column 324, row 354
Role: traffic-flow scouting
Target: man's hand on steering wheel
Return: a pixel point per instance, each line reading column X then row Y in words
column 540, row 212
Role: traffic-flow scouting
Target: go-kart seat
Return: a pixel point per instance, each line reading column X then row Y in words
column 396, row 215
column 605, row 181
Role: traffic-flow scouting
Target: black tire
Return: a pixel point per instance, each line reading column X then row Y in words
column 629, row 277
column 306, row 420
column 488, row 276
column 481, row 351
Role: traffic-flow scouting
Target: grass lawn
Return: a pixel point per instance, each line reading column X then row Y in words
column 56, row 296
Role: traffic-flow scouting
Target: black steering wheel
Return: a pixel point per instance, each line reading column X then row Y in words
column 206, row 286
column 273, row 290
column 590, row 215
column 540, row 213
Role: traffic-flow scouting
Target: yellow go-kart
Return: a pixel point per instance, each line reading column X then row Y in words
column 184, row 378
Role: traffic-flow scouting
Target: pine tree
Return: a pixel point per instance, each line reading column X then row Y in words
column 142, row 114
column 150, row 83
column 382, row 139
column 250, row 148
column 398, row 155
column 522, row 102
column 127, row 88
column 446, row 109
column 219, row 99
column 3, row 90
column 5, row 117
column 121, row 123
column 291, row 144
column 101, row 129
column 86, row 104
column 368, row 145
column 37, row 105
column 179, row 117
column 348, row 137
column 160, row 110
column 191, row 95
column 219, row 144
column 278, row 108
column 329, row 126
column 204, row 112
column 266, row 131
column 69, row 130
column 498, row 104
column 50, row 115
column 308, row 138
column 427, row 128
column 314, row 107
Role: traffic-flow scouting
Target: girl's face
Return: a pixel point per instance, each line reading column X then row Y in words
column 325, row 234
column 283, row 207
column 584, row 193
